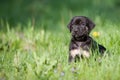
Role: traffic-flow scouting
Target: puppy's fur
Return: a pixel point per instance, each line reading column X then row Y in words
column 82, row 44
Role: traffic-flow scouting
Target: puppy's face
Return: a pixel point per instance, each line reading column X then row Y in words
column 80, row 26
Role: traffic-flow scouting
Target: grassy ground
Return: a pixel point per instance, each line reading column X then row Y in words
column 30, row 54
column 38, row 50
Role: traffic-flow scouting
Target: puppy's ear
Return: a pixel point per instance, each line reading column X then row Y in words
column 69, row 25
column 90, row 25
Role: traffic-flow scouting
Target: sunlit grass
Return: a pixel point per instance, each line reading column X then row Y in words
column 36, row 46
column 42, row 54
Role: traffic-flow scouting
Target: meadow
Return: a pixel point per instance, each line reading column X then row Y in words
column 40, row 51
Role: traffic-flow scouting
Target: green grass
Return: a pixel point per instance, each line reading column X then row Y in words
column 42, row 54
column 34, row 40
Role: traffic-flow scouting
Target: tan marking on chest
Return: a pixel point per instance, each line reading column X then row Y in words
column 75, row 52
column 80, row 52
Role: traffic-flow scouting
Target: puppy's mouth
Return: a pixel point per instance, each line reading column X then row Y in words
column 77, row 35
column 80, row 38
column 80, row 33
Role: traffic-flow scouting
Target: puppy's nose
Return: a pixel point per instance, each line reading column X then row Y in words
column 76, row 31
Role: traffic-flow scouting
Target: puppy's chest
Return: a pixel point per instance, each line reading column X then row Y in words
column 83, row 47
column 83, row 50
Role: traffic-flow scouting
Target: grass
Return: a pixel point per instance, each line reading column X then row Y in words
column 42, row 54
column 37, row 49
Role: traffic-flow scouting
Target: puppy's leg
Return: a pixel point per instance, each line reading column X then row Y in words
column 71, row 58
column 86, row 54
column 73, row 53
column 102, row 49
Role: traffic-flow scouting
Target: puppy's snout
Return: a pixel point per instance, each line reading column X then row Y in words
column 76, row 31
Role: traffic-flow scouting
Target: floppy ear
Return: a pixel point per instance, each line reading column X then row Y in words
column 90, row 25
column 69, row 25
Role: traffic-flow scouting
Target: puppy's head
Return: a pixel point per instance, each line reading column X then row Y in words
column 80, row 26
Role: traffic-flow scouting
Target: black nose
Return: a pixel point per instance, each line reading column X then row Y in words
column 76, row 31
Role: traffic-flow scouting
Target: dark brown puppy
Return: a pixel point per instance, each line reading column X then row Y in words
column 81, row 43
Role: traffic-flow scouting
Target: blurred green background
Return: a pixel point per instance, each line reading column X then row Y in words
column 50, row 13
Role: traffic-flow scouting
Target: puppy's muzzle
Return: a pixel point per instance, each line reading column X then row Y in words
column 78, row 31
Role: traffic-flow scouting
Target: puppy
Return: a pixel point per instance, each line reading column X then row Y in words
column 82, row 44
